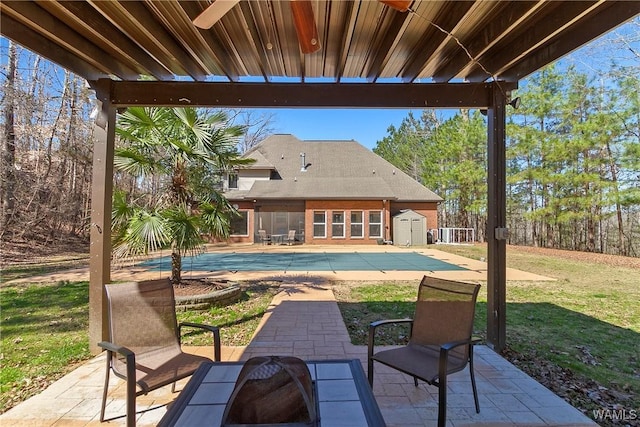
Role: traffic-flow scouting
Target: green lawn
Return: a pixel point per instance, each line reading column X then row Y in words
column 582, row 329
column 237, row 321
column 44, row 334
column 44, row 331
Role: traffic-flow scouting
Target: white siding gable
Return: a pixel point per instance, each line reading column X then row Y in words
column 246, row 177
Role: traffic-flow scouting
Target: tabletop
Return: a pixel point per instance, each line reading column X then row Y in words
column 344, row 395
column 278, row 238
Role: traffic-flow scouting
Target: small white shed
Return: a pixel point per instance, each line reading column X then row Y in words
column 409, row 229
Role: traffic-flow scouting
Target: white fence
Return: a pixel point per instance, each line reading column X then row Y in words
column 456, row 236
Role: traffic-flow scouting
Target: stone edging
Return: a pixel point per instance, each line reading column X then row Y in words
column 204, row 301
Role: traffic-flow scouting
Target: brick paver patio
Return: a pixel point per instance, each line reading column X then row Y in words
column 304, row 321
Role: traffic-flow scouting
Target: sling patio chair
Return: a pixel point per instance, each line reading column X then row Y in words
column 291, row 237
column 264, row 237
column 144, row 340
column 440, row 338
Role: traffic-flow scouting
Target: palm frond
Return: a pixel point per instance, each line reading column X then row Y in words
column 146, row 231
column 121, row 210
column 134, row 162
column 137, row 120
column 216, row 216
column 186, row 229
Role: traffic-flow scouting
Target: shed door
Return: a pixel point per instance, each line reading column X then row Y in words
column 403, row 232
column 418, row 233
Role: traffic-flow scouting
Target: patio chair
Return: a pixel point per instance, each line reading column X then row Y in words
column 440, row 341
column 264, row 238
column 291, row 237
column 144, row 340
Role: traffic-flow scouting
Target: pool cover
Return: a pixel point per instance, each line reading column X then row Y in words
column 305, row 261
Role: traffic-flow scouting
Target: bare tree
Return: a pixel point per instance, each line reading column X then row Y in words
column 9, row 148
column 259, row 125
column 46, row 146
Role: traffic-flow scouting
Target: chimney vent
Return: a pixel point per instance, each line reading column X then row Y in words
column 303, row 161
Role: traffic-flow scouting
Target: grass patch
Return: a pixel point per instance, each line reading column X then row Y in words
column 21, row 271
column 237, row 321
column 576, row 335
column 361, row 304
column 44, row 335
column 44, row 331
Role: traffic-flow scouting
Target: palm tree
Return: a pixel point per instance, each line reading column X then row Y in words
column 175, row 156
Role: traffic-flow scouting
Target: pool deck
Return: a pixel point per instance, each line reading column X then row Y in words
column 475, row 270
column 304, row 321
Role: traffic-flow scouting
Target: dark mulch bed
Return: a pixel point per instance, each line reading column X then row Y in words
column 592, row 257
column 189, row 287
column 583, row 393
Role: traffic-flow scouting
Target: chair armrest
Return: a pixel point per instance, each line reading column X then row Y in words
column 453, row 344
column 213, row 329
column 130, row 363
column 374, row 325
column 447, row 347
column 109, row 346
column 388, row 321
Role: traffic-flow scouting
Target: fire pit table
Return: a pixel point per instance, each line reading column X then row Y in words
column 344, row 396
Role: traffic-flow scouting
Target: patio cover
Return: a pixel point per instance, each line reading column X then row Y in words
column 438, row 54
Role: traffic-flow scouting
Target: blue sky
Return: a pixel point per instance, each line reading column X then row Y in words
column 366, row 126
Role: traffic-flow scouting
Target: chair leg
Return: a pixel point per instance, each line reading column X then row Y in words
column 442, row 401
column 106, row 387
column 370, row 349
column 217, row 346
column 473, row 380
column 415, row 381
column 131, row 392
column 131, row 405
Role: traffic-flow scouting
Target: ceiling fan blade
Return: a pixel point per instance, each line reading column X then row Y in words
column 214, row 13
column 305, row 23
column 399, row 5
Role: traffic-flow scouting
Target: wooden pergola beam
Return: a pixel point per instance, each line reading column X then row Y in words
column 304, row 95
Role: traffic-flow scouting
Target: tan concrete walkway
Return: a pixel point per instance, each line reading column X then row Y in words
column 304, row 320
column 475, row 270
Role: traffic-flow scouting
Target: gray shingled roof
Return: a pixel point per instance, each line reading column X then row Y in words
column 335, row 170
column 260, row 161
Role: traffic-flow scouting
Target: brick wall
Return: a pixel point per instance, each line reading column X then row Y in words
column 346, row 206
column 427, row 209
column 389, row 209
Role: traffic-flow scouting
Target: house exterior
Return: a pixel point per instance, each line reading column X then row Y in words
column 329, row 192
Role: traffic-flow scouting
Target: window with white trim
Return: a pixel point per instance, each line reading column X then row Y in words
column 357, row 224
column 337, row 224
column 319, row 224
column 239, row 225
column 375, row 224
column 233, row 180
